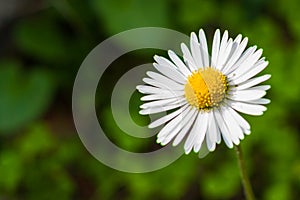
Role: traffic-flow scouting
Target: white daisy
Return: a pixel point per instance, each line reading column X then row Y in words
column 205, row 94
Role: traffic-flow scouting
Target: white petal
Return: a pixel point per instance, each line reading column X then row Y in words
column 181, row 66
column 211, row 137
column 249, row 109
column 199, row 127
column 166, row 118
column 234, row 47
column 173, row 94
column 203, row 48
column 188, row 57
column 247, row 132
column 215, row 48
column 169, row 83
column 211, row 146
column 172, row 124
column 190, row 121
column 247, row 95
column 225, row 55
column 223, row 128
column 231, row 73
column 217, row 126
column 162, row 94
column 195, row 49
column 260, row 101
column 161, row 108
column 235, row 130
column 188, row 145
column 251, row 82
column 181, row 126
column 235, row 56
column 172, row 73
column 247, row 64
column 201, row 132
column 163, row 61
column 161, row 102
column 238, row 39
column 155, row 83
column 261, row 87
column 167, row 134
column 255, row 70
column 145, row 89
column 218, row 129
column 240, row 120
column 223, row 46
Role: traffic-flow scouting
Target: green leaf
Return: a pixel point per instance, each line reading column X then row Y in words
column 38, row 140
column 11, row 170
column 194, row 14
column 120, row 15
column 222, row 183
column 24, row 95
column 278, row 191
column 41, row 38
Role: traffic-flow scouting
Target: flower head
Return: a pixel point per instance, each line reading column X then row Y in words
column 205, row 94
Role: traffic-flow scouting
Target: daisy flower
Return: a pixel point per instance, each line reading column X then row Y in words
column 204, row 95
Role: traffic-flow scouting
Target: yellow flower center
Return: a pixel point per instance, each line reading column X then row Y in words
column 206, row 88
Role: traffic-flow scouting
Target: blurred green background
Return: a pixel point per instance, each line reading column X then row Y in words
column 42, row 44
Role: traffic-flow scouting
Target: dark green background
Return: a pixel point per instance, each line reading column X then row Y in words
column 42, row 44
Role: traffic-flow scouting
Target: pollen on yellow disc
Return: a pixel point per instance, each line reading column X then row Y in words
column 206, row 88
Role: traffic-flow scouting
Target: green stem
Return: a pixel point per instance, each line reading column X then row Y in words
column 244, row 176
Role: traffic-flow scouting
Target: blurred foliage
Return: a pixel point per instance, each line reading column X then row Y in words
column 22, row 103
column 42, row 47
